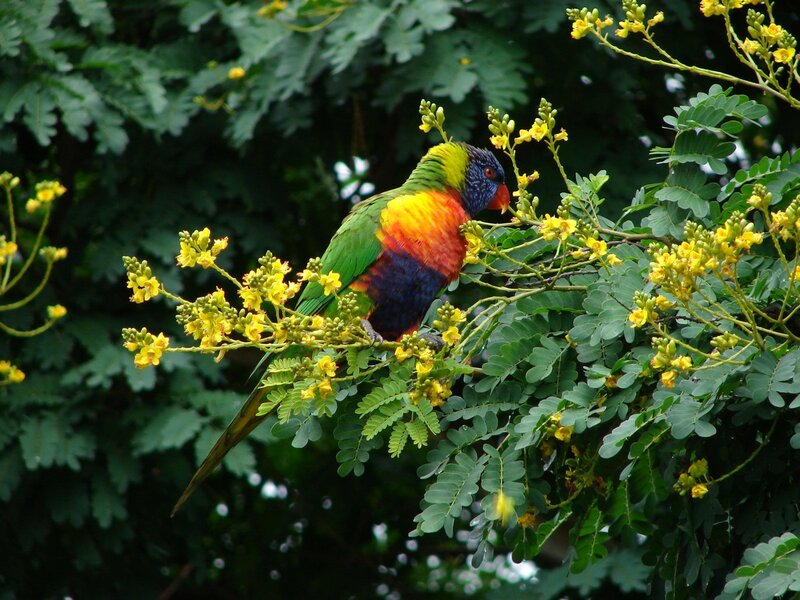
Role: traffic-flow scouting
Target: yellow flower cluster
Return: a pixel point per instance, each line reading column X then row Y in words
column 554, row 430
column 786, row 223
column 330, row 281
column 209, row 319
column 770, row 42
column 666, row 359
column 694, row 480
column 53, row 254
column 267, row 282
column 46, row 192
column 198, row 249
column 711, row 8
column 141, row 280
column 10, row 374
column 431, row 115
column 560, row 228
column 324, row 371
column 449, row 318
column 678, row 268
column 586, row 21
column 148, row 347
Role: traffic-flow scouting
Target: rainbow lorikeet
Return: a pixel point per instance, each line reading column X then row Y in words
column 397, row 251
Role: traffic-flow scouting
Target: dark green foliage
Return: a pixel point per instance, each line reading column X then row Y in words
column 123, row 102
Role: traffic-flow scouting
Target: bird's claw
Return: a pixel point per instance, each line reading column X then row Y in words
column 375, row 338
column 435, row 341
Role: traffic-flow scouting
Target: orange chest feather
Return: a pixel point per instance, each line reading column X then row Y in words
column 425, row 226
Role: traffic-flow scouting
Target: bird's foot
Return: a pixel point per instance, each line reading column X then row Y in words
column 435, row 341
column 375, row 338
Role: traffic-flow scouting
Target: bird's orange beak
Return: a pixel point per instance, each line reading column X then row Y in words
column 501, row 199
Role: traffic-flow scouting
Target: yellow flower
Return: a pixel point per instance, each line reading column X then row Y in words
column 57, row 311
column 424, row 367
column 538, row 131
column 563, row 433
column 45, row 195
column 747, row 238
column 699, row 490
column 254, row 327
column 504, row 506
column 308, row 393
column 783, row 55
column 402, row 354
column 327, row 366
column 528, row 520
column 144, row 288
column 325, row 388
column 276, row 293
column 668, row 378
column 580, row 28
column 639, row 317
column 613, row 260
column 710, row 8
column 561, row 136
column 556, row 227
column 682, row 363
column 474, row 245
column 750, row 46
column 187, row 256
column 16, row 375
column 280, row 333
column 318, row 322
column 32, row 205
column 451, row 335
column 499, row 141
column 464, row 61
column 773, row 33
column 150, row 354
column 426, row 126
column 330, row 282
column 251, row 299
column 598, row 247
column 205, row 259
column 796, row 273
column 236, row 73
column 656, row 19
column 663, row 304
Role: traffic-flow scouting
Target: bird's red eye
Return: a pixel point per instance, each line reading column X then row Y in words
column 489, row 172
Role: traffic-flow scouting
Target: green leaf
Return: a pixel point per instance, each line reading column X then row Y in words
column 454, row 488
column 354, row 446
column 107, row 503
column 39, row 441
column 685, row 418
column 770, row 378
column 398, row 438
column 687, row 187
column 172, row 427
column 93, row 12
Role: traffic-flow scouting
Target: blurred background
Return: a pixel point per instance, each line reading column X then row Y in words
column 264, row 125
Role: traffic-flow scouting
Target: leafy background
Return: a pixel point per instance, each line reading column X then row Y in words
column 103, row 96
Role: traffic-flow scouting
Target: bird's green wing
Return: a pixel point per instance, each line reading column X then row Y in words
column 353, row 248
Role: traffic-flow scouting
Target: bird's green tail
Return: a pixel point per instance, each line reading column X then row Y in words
column 242, row 424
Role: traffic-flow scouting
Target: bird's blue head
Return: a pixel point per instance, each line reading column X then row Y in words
column 484, row 182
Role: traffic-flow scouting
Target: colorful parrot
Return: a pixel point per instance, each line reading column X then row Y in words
column 397, row 251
